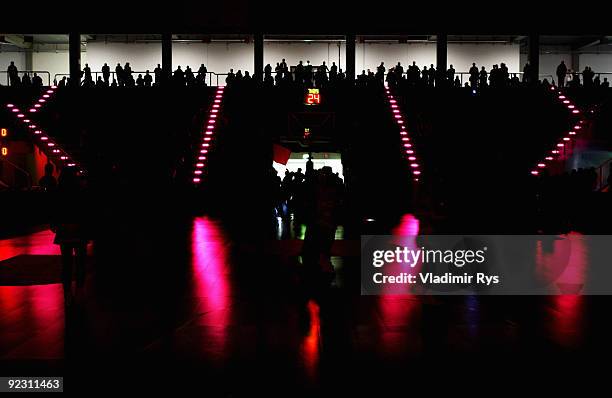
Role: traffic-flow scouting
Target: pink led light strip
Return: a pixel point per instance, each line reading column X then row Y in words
column 406, row 142
column 42, row 139
column 207, row 137
column 562, row 148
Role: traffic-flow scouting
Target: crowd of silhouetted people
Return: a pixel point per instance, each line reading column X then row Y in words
column 321, row 75
column 25, row 80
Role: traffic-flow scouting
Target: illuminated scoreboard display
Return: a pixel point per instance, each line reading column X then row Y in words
column 4, row 141
column 313, row 97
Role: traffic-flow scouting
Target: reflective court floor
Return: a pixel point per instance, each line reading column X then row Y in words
column 198, row 302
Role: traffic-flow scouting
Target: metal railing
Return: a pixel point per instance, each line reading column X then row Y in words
column 211, row 76
column 46, row 74
column 603, row 174
column 11, row 179
column 579, row 75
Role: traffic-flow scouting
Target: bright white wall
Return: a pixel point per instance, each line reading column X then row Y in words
column 597, row 62
column 5, row 61
column 370, row 55
column 218, row 57
column 53, row 62
column 315, row 52
column 461, row 56
column 141, row 56
column 549, row 63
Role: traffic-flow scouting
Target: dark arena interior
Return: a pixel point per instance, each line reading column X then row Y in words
column 188, row 199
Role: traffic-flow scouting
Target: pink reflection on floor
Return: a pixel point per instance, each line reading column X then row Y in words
column 397, row 312
column 37, row 243
column 211, row 285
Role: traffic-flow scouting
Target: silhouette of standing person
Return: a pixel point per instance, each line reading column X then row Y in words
column 13, row 74
column 48, row 183
column 70, row 231
column 325, row 196
column 561, row 72
column 106, row 73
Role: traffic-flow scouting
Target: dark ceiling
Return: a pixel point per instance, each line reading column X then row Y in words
column 304, row 17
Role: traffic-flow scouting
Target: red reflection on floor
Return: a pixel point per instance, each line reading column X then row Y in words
column 38, row 243
column 311, row 342
column 32, row 321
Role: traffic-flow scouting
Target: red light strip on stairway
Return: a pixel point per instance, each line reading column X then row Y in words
column 562, row 148
column 42, row 139
column 408, row 150
column 207, row 137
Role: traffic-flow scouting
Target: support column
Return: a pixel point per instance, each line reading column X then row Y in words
column 74, row 55
column 442, row 53
column 534, row 56
column 259, row 57
column 350, row 57
column 166, row 57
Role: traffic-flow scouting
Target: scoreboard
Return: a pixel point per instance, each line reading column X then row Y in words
column 4, row 134
column 313, row 97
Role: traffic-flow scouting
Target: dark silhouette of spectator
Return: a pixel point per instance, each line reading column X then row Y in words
column 333, row 72
column 62, row 82
column 450, row 74
column 158, row 74
column 139, row 81
column 482, row 78
column 70, row 230
column 87, row 73
column 100, row 82
column 527, row 73
column 587, row 77
column 431, row 76
column 148, row 79
column 458, row 82
column 231, row 77
column 25, row 80
column 179, row 77
column 189, row 77
column 120, row 75
column 106, row 73
column 299, row 72
column 283, row 66
column 561, row 72
column 605, row 83
column 323, row 201
column 13, row 75
column 37, row 81
column 114, row 83
column 474, row 75
column 48, row 183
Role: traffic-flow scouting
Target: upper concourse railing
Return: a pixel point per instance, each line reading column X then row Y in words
column 211, row 77
column 45, row 75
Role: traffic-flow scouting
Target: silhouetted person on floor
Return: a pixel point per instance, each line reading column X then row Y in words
column 70, row 230
column 48, row 183
column 561, row 72
column 324, row 198
column 605, row 83
column 139, row 81
column 13, row 75
column 62, row 82
column 87, row 73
